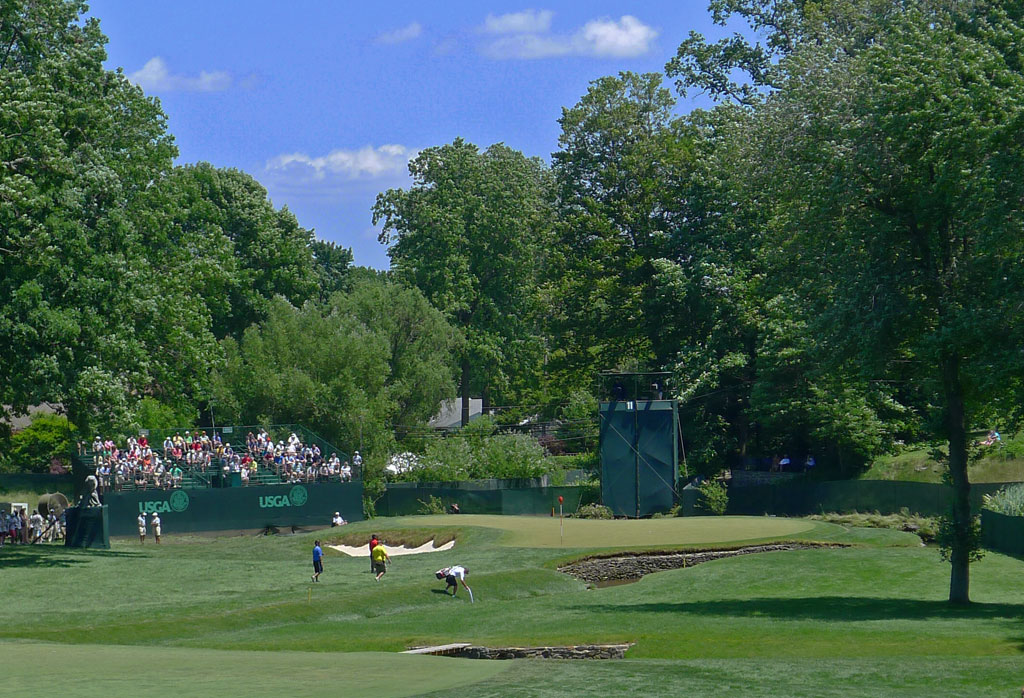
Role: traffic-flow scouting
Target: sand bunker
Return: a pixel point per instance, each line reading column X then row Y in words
column 364, row 551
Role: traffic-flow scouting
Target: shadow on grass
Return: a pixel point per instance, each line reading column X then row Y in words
column 440, row 591
column 828, row 608
column 53, row 556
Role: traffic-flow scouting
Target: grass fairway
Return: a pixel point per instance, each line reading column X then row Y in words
column 238, row 615
column 124, row 671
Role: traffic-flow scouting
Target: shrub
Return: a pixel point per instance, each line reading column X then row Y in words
column 433, row 505
column 48, row 439
column 713, row 497
column 925, row 527
column 477, row 455
column 594, row 511
column 1008, row 501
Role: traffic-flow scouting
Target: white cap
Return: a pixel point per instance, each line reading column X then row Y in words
column 337, row 513
column 154, row 513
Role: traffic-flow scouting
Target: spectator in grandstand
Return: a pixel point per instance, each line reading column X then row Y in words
column 346, row 472
column 245, row 475
column 168, row 447
column 176, row 475
column 337, row 520
column 357, row 462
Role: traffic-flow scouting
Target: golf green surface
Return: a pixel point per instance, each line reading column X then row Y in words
column 104, row 671
column 550, row 532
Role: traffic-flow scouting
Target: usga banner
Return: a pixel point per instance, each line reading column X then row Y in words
column 236, row 508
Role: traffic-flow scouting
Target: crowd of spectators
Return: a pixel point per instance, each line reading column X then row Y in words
column 17, row 527
column 139, row 464
column 292, row 460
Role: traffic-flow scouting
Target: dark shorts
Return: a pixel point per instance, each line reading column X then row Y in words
column 318, row 566
column 379, row 567
column 452, row 580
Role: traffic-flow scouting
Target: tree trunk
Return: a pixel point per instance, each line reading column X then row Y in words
column 485, row 401
column 465, row 391
column 956, row 433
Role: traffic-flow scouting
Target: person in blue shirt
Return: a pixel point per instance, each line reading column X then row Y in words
column 318, row 561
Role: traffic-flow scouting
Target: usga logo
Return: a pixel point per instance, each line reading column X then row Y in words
column 296, row 497
column 178, row 501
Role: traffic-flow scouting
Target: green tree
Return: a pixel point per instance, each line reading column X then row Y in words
column 216, row 231
column 89, row 320
column 622, row 156
column 471, row 234
column 48, row 439
column 350, row 370
column 422, row 349
column 891, row 168
column 332, row 267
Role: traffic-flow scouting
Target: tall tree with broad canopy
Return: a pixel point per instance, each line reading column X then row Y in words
column 353, row 369
column 471, row 234
column 891, row 168
column 622, row 156
column 89, row 320
column 217, row 229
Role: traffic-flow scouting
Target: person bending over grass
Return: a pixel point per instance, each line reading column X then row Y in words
column 380, row 558
column 452, row 576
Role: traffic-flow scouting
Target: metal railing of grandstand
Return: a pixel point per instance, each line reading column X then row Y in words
column 236, row 436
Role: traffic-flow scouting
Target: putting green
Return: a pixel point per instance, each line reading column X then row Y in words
column 543, row 532
column 117, row 670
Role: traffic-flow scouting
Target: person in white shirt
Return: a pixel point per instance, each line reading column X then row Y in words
column 452, row 576
column 142, row 528
column 337, row 520
column 155, row 523
column 36, row 524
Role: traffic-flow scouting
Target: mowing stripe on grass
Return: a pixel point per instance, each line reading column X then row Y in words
column 102, row 671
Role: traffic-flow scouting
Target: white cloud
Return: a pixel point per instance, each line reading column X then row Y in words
column 525, row 22
column 156, row 76
column 366, row 163
column 406, row 33
column 627, row 37
column 528, row 37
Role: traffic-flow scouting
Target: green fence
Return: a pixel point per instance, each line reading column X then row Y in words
column 403, row 499
column 40, row 483
column 1002, row 533
column 799, row 498
column 242, row 508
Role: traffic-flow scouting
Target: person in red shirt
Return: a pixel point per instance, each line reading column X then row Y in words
column 373, row 544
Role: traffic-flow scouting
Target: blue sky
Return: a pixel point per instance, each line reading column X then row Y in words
column 325, row 102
